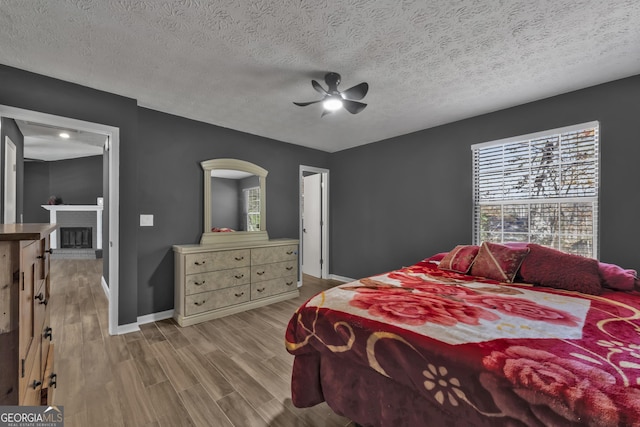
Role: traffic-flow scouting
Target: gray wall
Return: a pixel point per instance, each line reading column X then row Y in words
column 170, row 186
column 160, row 174
column 400, row 200
column 31, row 91
column 10, row 129
column 36, row 191
column 76, row 181
column 225, row 206
column 392, row 202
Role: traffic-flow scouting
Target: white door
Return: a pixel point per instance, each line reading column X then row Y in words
column 312, row 226
column 9, row 182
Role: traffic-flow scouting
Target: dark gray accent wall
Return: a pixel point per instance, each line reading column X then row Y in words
column 400, row 200
column 36, row 191
column 10, row 129
column 76, row 181
column 170, row 181
column 22, row 89
column 225, row 203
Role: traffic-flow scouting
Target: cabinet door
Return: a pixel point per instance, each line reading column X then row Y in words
column 43, row 256
column 28, row 285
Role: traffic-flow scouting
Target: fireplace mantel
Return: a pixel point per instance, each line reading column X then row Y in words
column 54, row 209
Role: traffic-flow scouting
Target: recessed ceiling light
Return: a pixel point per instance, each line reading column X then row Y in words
column 64, row 135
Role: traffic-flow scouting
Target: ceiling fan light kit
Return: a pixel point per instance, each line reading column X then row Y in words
column 333, row 99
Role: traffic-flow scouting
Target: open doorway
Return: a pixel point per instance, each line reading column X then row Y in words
column 111, row 151
column 314, row 223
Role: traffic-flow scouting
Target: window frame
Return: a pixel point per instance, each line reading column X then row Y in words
column 594, row 200
column 246, row 192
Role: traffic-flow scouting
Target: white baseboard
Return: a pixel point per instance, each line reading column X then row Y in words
column 128, row 328
column 154, row 317
column 148, row 318
column 105, row 287
column 341, row 278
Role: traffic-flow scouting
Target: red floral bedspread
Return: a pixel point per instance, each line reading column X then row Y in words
column 475, row 351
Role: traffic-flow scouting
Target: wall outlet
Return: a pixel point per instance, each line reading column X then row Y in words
column 146, row 220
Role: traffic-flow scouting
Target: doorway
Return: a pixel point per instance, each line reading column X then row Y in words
column 111, row 150
column 314, row 224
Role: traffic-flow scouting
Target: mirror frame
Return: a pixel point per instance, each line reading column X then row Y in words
column 238, row 236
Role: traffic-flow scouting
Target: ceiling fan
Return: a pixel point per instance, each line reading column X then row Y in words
column 333, row 99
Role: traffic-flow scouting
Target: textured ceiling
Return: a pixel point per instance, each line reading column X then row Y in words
column 240, row 64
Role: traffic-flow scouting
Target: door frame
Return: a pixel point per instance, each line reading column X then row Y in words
column 8, row 143
column 113, row 140
column 324, row 270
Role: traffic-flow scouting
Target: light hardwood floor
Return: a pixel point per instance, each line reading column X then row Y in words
column 232, row 371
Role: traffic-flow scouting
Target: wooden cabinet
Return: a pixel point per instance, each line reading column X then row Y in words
column 27, row 374
column 216, row 280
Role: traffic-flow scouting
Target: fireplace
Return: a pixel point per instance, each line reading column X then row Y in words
column 76, row 237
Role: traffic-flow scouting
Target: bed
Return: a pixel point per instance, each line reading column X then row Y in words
column 450, row 341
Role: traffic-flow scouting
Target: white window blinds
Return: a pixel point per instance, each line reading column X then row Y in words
column 540, row 188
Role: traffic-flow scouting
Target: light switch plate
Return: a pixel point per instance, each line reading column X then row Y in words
column 146, row 220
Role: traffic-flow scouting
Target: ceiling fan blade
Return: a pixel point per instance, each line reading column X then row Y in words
column 303, row 104
column 357, row 92
column 353, row 107
column 317, row 87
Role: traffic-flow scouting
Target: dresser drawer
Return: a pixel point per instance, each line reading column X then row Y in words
column 274, row 270
column 213, row 261
column 213, row 300
column 273, row 287
column 215, row 280
column 274, row 254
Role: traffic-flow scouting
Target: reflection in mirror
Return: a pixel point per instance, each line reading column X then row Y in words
column 235, row 197
column 234, row 201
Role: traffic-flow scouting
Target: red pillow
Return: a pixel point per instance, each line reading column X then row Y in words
column 556, row 269
column 459, row 259
column 498, row 262
column 616, row 277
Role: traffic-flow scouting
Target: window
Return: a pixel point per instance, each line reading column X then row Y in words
column 540, row 188
column 252, row 208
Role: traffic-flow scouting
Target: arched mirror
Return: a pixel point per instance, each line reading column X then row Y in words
column 234, row 201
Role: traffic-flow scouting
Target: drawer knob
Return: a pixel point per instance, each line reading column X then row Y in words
column 239, row 295
column 199, row 283
column 289, row 283
column 239, row 258
column 41, row 299
column 48, row 333
column 36, row 384
column 53, row 380
column 199, row 262
column 289, row 268
column 200, row 302
column 49, row 251
column 260, row 273
column 239, row 276
column 260, row 290
column 289, row 252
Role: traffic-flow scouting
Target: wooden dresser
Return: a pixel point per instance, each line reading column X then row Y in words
column 215, row 280
column 26, row 349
